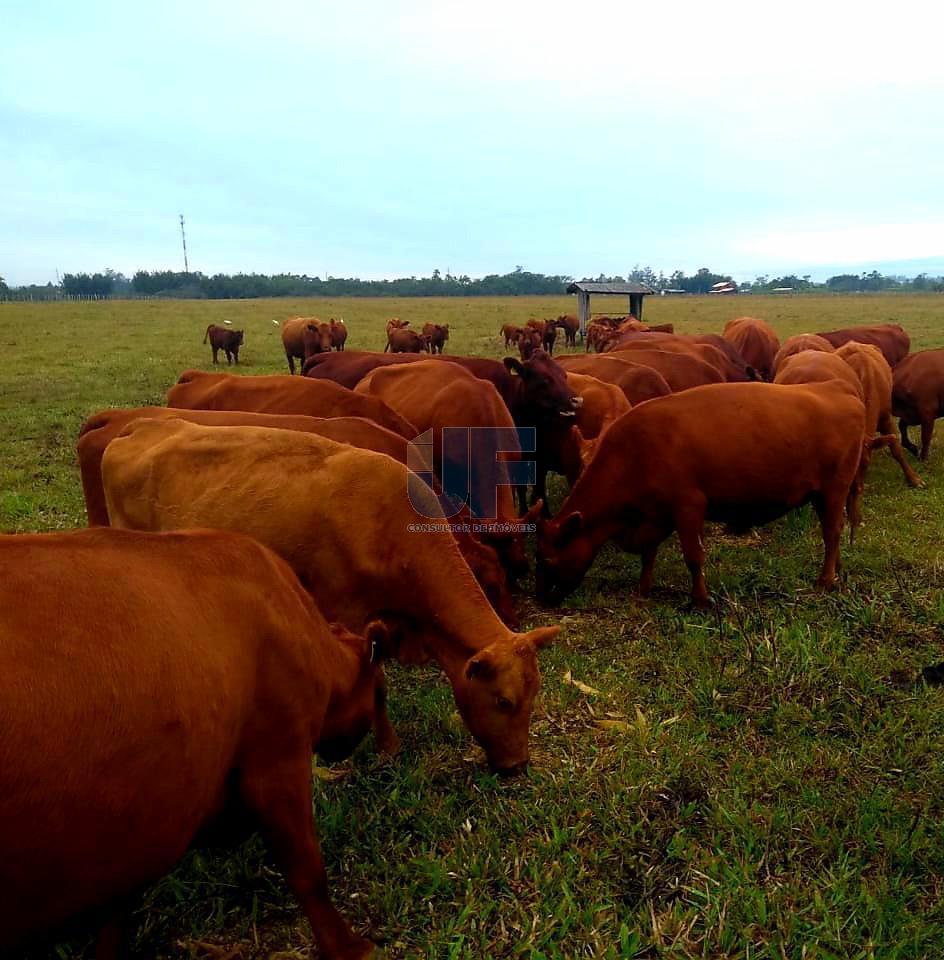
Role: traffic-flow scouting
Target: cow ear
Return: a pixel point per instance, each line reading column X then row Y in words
column 513, row 365
column 479, row 669
column 542, row 637
column 569, row 528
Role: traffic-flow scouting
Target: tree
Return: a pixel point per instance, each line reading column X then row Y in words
column 4, row 289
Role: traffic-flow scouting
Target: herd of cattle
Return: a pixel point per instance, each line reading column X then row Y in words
column 255, row 556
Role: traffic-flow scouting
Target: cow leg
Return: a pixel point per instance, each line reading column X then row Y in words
column 829, row 511
column 905, row 439
column 854, row 503
column 690, row 525
column 647, row 573
column 291, row 363
column 280, row 795
column 887, row 426
column 229, row 358
column 927, row 431
column 236, row 357
column 216, row 350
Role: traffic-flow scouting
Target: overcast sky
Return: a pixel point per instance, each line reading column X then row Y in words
column 391, row 138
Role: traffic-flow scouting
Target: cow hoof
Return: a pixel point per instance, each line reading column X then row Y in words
column 826, row 586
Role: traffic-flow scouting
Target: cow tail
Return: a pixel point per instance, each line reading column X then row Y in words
column 209, row 328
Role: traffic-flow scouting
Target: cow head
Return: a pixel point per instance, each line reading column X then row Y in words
column 544, row 384
column 358, row 700
column 564, row 554
column 238, row 337
column 495, row 696
column 316, row 338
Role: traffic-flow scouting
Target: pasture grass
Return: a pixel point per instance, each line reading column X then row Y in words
column 763, row 780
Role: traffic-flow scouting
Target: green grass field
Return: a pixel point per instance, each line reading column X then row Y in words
column 764, row 780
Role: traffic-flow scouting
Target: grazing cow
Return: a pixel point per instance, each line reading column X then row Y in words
column 511, row 333
column 404, row 340
column 173, row 683
column 101, row 428
column 918, row 396
column 637, row 381
column 395, row 560
column 222, row 338
column 710, row 348
column 548, row 336
column 602, row 403
column 741, row 453
column 435, row 396
column 570, row 324
column 799, row 343
column 870, row 366
column 293, row 339
column 436, row 335
column 338, row 334
column 535, row 391
column 350, row 369
column 756, row 341
column 316, row 338
column 890, row 338
column 196, row 390
column 680, row 370
column 817, row 366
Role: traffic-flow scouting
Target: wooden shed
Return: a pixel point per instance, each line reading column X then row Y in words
column 586, row 288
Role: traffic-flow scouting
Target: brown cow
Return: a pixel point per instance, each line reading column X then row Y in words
column 404, row 340
column 393, row 324
column 817, row 366
column 708, row 347
column 548, row 334
column 511, row 333
column 680, row 370
column 918, row 396
column 637, row 381
column 435, row 396
column 222, row 338
column 529, row 340
column 172, row 681
column 799, row 343
column 395, row 560
column 875, row 375
column 756, row 341
column 316, row 338
column 101, row 428
column 570, row 324
column 535, row 391
column 197, row 390
column 890, row 338
column 436, row 335
column 598, row 335
column 741, row 453
column 293, row 339
column 338, row 334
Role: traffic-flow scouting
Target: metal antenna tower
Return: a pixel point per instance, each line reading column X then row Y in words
column 183, row 238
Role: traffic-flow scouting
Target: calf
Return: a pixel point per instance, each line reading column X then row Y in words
column 403, row 340
column 511, row 333
column 394, row 559
column 196, row 390
column 571, row 327
column 174, row 682
column 741, row 453
column 918, row 396
column 436, row 335
column 222, row 338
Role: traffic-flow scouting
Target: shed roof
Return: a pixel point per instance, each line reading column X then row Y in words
column 593, row 286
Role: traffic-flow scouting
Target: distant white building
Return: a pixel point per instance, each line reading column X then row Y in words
column 724, row 286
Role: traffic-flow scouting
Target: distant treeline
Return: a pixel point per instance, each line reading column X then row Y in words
column 520, row 282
